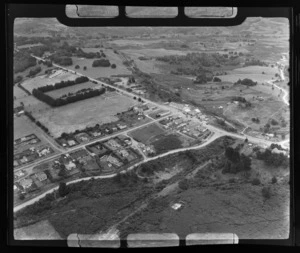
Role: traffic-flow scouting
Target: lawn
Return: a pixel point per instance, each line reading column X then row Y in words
column 147, row 133
column 88, row 112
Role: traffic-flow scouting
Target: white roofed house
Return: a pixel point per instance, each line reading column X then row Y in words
column 26, row 183
column 70, row 166
column 41, row 176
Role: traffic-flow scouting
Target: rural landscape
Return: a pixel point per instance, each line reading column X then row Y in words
column 123, row 130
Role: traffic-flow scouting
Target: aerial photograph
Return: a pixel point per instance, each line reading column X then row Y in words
column 151, row 130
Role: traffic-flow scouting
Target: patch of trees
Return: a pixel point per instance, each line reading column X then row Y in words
column 39, row 124
column 274, row 122
column 246, row 81
column 25, row 90
column 62, row 60
column 203, row 78
column 23, row 61
column 63, row 84
column 256, row 62
column 101, row 63
column 275, row 145
column 69, row 99
column 198, row 59
column 274, row 159
column 18, row 79
column 255, row 120
column 34, row 71
column 217, row 79
column 236, row 162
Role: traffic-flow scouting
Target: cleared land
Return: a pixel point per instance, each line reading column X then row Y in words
column 88, row 112
column 147, row 133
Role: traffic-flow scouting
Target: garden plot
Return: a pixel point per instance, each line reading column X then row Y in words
column 88, row 112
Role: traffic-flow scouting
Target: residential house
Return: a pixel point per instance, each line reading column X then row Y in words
column 70, row 165
column 41, row 176
column 114, row 160
column 71, row 143
column 26, row 183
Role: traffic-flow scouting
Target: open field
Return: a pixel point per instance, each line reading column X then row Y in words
column 252, row 72
column 96, row 72
column 88, row 112
column 18, row 92
column 152, row 52
column 43, row 80
column 42, row 230
column 146, row 134
column 74, row 88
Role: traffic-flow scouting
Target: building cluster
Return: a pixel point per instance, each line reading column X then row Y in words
column 30, row 155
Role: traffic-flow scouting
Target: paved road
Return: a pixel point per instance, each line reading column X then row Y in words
column 217, row 133
column 49, row 158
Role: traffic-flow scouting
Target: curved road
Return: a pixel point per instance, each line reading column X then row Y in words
column 216, row 134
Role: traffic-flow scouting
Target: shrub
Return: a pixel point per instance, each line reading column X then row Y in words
column 183, row 184
column 113, row 66
column 274, row 180
column 231, row 180
column 255, row 181
column 77, row 67
column 63, row 190
column 266, row 192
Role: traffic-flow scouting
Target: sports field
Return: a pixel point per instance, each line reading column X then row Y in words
column 88, row 112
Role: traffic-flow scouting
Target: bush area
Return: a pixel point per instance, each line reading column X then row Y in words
column 274, row 159
column 167, row 143
column 246, row 81
column 23, row 61
column 236, row 162
column 254, row 62
column 34, row 71
column 199, row 59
